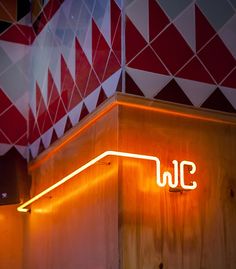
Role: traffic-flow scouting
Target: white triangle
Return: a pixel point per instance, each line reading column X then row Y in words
column 138, row 14
column 14, row 51
column 87, row 46
column 46, row 137
column 71, row 61
column 34, row 147
column 22, row 150
column 74, row 114
column 150, row 83
column 110, row 84
column 228, row 35
column 197, row 92
column 4, row 148
column 106, row 25
column 230, row 94
column 186, row 26
column 60, row 126
column 91, row 100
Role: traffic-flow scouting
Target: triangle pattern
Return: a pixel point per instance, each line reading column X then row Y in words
column 41, row 147
column 74, row 114
column 91, row 100
column 116, row 30
column 102, row 97
column 40, row 105
column 110, row 85
column 75, row 98
column 100, row 51
column 133, row 12
column 230, row 94
column 196, row 71
column 204, row 31
column 60, row 127
column 34, row 147
column 218, row 101
column 82, row 68
column 3, row 138
column 67, row 83
column 46, row 138
column 61, row 111
column 68, row 125
column 53, row 97
column 148, row 82
column 172, row 49
column 93, row 83
column 196, row 91
column 147, row 60
column 4, row 101
column 4, row 148
column 54, row 137
column 131, row 87
column 230, row 80
column 134, row 40
column 186, row 26
column 157, row 19
column 84, row 112
column 173, row 93
column 112, row 66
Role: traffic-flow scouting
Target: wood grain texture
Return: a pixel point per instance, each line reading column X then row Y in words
column 113, row 215
column 162, row 229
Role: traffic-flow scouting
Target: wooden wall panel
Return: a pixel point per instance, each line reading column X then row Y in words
column 11, row 238
column 76, row 225
column 163, row 229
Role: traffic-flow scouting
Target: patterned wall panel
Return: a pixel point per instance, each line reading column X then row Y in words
column 182, row 51
column 76, row 60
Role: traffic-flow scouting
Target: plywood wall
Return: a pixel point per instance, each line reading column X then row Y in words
column 76, row 226
column 172, row 230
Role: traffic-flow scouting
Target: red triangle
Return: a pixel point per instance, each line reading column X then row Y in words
column 157, row 19
column 102, row 97
column 82, row 68
column 93, row 83
column 112, row 66
column 75, row 99
column 100, row 51
column 115, row 18
column 116, row 29
column 230, row 81
column 60, row 111
column 204, row 31
column 194, row 70
column 67, row 83
column 40, row 105
column 53, row 94
column 4, row 101
column 134, row 40
column 84, row 112
column 44, row 122
column 148, row 61
column 13, row 124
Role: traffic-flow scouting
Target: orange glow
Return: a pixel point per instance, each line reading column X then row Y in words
column 167, row 177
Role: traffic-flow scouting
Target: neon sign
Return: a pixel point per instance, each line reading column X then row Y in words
column 178, row 179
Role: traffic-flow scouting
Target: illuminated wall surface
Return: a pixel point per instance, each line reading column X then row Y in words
column 114, row 214
column 64, row 58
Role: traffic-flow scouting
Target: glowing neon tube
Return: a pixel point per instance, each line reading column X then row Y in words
column 166, row 175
